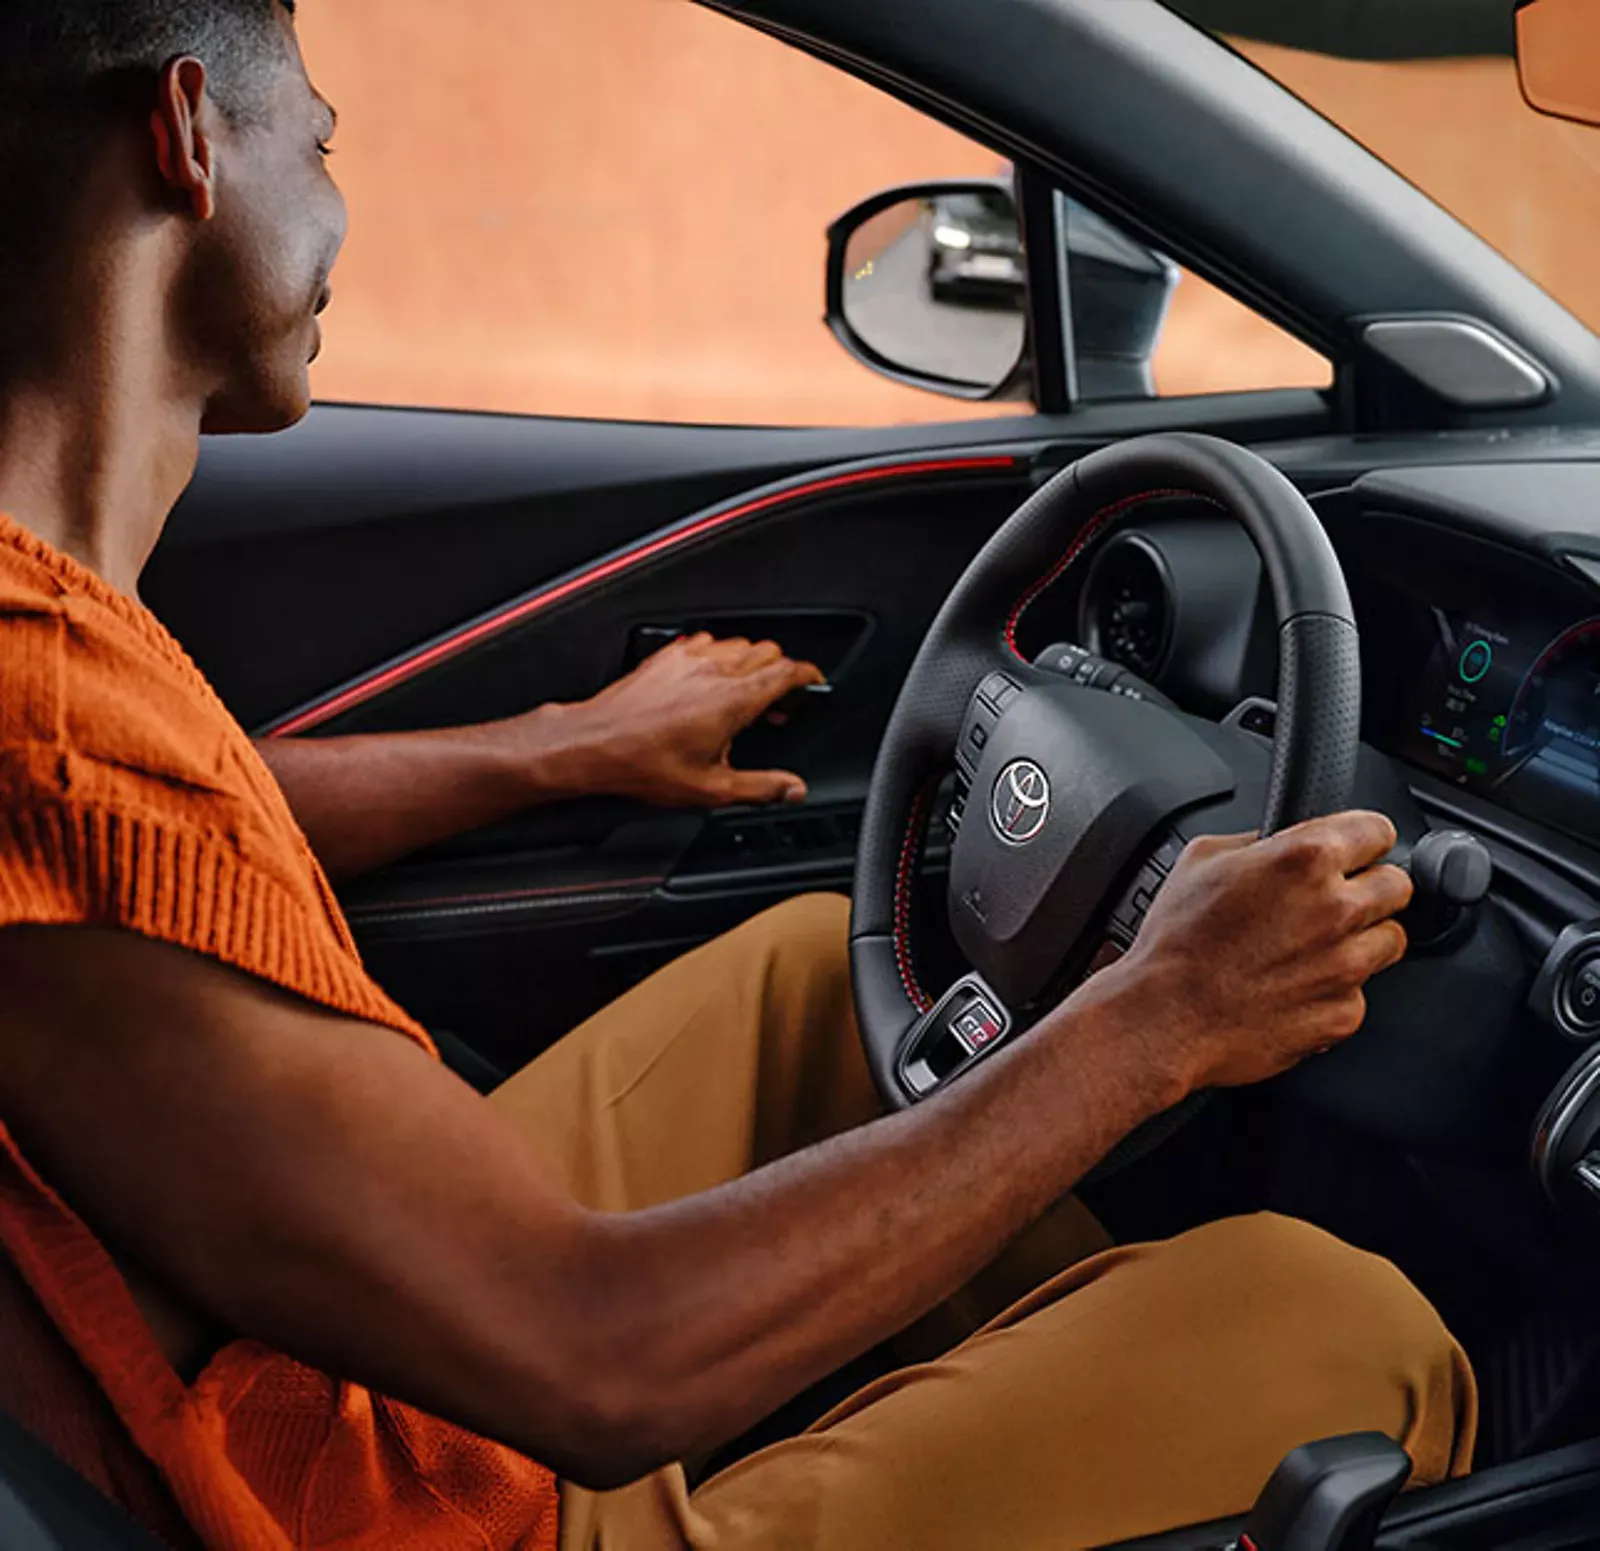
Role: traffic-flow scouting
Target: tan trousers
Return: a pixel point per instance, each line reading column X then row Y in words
column 1145, row 1387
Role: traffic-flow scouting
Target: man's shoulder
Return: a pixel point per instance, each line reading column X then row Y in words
column 90, row 679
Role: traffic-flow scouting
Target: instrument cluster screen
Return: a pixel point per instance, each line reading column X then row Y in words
column 1511, row 710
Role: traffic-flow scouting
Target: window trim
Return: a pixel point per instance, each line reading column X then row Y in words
column 1055, row 375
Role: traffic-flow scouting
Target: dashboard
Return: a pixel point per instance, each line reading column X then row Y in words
column 1481, row 641
column 1474, row 571
column 1481, row 667
column 1478, row 603
column 1508, row 705
column 1480, row 637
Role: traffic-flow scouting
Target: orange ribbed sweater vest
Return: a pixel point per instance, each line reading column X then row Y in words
column 129, row 797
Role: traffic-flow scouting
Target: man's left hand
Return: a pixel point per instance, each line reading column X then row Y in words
column 664, row 733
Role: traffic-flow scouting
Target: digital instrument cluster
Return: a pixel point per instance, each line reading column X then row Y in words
column 1511, row 710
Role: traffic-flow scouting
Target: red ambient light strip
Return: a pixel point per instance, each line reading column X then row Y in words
column 466, row 637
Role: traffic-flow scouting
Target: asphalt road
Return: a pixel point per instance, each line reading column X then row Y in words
column 894, row 311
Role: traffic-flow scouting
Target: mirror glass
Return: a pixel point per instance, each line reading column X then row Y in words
column 1558, row 57
column 938, row 286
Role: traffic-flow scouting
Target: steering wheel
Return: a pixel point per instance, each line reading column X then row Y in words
column 1076, row 794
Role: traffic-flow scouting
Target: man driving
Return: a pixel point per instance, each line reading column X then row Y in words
column 273, row 1277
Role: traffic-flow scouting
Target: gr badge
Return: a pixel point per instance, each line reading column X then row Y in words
column 1020, row 802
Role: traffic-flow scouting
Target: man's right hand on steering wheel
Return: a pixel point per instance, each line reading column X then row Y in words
column 1256, row 953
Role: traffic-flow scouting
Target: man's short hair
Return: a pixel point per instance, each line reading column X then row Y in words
column 69, row 69
column 50, row 47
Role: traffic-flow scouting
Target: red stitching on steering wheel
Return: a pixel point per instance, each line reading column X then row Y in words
column 909, row 850
column 910, row 847
column 1086, row 535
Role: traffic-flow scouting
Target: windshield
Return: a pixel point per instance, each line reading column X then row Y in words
column 1431, row 87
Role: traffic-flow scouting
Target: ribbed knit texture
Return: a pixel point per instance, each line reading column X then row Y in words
column 130, row 798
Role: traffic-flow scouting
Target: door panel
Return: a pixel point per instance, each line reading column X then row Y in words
column 299, row 560
column 383, row 570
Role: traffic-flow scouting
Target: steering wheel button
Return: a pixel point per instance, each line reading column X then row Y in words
column 1061, row 658
column 997, row 692
column 1167, row 857
column 1126, row 920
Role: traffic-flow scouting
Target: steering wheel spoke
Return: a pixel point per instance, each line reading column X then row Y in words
column 967, row 1023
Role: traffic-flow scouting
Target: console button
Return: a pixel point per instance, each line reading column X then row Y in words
column 1580, row 993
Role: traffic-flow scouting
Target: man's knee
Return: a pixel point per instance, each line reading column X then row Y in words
column 1295, row 1263
column 814, row 1077
column 819, row 921
column 807, row 939
column 1318, row 1301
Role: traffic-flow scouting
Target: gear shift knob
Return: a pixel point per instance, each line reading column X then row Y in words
column 1451, row 872
column 1452, row 866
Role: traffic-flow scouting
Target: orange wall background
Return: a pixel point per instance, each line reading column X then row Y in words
column 616, row 208
column 601, row 207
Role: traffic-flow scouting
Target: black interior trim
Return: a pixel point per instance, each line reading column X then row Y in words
column 607, row 569
column 298, row 562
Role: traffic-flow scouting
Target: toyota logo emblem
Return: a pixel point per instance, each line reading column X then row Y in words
column 1021, row 802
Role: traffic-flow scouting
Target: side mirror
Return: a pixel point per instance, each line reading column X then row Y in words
column 1558, row 58
column 928, row 284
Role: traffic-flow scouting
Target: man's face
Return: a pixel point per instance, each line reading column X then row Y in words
column 259, row 273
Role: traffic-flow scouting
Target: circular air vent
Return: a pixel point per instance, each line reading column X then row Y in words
column 1126, row 612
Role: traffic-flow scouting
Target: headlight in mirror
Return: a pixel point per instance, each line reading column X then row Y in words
column 929, row 284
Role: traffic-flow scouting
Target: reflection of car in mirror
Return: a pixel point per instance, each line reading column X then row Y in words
column 975, row 249
column 928, row 284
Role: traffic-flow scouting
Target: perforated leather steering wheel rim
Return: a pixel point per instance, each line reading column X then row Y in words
column 975, row 633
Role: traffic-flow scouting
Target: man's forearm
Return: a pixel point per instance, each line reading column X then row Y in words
column 662, row 735
column 327, row 1190
column 364, row 801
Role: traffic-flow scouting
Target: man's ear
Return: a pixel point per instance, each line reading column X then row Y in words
column 185, row 150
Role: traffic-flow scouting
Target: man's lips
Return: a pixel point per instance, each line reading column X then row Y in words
column 316, row 327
